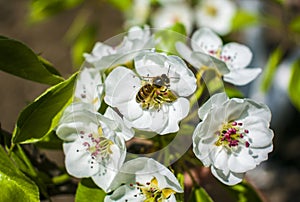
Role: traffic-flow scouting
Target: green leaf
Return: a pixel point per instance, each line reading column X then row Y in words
column 121, row 5
column 15, row 186
column 50, row 141
column 294, row 85
column 22, row 161
column 233, row 91
column 243, row 19
column 87, row 191
column 83, row 43
column 180, row 196
column 169, row 36
column 42, row 115
column 280, row 1
column 48, row 66
column 5, row 138
column 43, row 9
column 295, row 25
column 81, row 36
column 19, row 60
column 270, row 68
column 200, row 195
column 244, row 192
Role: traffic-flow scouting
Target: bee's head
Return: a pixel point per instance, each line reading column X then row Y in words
column 165, row 79
column 162, row 80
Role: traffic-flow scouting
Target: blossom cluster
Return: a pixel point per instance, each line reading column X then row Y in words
column 215, row 14
column 132, row 87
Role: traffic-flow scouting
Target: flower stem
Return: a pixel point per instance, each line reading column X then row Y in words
column 60, row 179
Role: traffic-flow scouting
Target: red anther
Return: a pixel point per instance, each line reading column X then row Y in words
column 247, row 144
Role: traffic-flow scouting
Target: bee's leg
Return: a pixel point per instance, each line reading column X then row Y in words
column 159, row 107
column 143, row 105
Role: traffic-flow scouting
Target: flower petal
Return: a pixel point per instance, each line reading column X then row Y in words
column 260, row 154
column 79, row 161
column 221, row 159
column 227, row 178
column 166, row 16
column 259, row 133
column 186, row 53
column 77, row 117
column 89, row 87
column 107, row 172
column 241, row 162
column 236, row 55
column 185, row 83
column 241, row 77
column 99, row 51
column 149, row 121
column 158, row 120
column 142, row 170
column 215, row 101
column 124, row 193
column 209, row 61
column 259, row 109
column 151, row 64
column 121, row 86
column 69, row 131
column 205, row 40
column 202, row 151
column 131, row 110
column 177, row 111
column 124, row 131
column 137, row 40
column 219, row 19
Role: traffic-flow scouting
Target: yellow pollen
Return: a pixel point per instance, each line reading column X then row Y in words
column 153, row 193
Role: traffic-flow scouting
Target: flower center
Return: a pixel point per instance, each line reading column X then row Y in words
column 211, row 10
column 231, row 135
column 97, row 145
column 152, row 192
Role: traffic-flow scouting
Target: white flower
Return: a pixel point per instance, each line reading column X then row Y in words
column 89, row 87
column 169, row 14
column 94, row 145
column 153, row 99
column 233, row 137
column 216, row 14
column 104, row 56
column 138, row 13
column 231, row 59
column 144, row 179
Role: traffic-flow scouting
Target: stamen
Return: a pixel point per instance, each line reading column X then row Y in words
column 152, row 192
column 97, row 145
column 247, row 144
column 231, row 135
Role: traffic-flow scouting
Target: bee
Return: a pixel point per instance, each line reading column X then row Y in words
column 155, row 93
